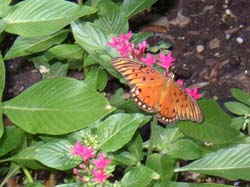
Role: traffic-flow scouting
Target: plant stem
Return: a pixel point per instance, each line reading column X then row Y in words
column 152, row 125
column 79, row 2
column 27, row 174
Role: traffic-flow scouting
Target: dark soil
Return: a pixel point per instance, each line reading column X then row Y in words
column 193, row 25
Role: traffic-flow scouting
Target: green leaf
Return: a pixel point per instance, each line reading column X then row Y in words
column 165, row 136
column 37, row 18
column 117, row 98
column 140, row 37
column 134, row 155
column 68, row 185
column 238, row 122
column 241, row 96
column 89, row 36
column 163, row 165
column 184, row 149
column 33, row 184
column 182, row 184
column 140, row 177
column 57, row 106
column 232, row 163
column 135, row 146
column 215, row 127
column 25, row 46
column 111, row 20
column 131, row 7
column 13, row 170
column 57, row 155
column 25, row 157
column 97, row 79
column 2, row 84
column 58, row 69
column 67, row 51
column 5, row 9
column 117, row 130
column 10, row 139
column 238, row 108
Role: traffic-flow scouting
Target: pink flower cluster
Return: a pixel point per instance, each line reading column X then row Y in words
column 128, row 49
column 90, row 168
column 194, row 93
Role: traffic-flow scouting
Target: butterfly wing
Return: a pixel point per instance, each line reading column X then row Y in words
column 175, row 104
column 155, row 93
column 145, row 82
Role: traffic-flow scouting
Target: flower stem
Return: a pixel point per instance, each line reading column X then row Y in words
column 152, row 125
column 79, row 2
column 27, row 174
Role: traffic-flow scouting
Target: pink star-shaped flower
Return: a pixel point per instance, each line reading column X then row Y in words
column 194, row 93
column 101, row 163
column 149, row 59
column 82, row 150
column 100, row 175
column 166, row 61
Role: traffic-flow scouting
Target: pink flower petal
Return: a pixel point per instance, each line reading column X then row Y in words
column 149, row 59
column 101, row 163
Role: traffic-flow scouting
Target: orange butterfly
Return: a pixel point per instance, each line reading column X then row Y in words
column 155, row 93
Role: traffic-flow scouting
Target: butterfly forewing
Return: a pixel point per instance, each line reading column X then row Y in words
column 155, row 93
column 145, row 82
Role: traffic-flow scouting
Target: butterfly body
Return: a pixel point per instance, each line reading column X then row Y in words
column 155, row 93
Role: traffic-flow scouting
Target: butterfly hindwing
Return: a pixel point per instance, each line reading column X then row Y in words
column 176, row 104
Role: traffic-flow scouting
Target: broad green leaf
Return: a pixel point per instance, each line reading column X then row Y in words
column 238, row 108
column 10, row 139
column 238, row 122
column 111, row 19
column 97, row 79
column 6, row 2
column 26, row 157
column 182, row 184
column 215, row 127
column 232, row 163
column 164, row 136
column 89, row 36
column 67, row 51
column 2, row 84
column 57, row 155
column 37, row 18
column 134, row 155
column 135, row 146
column 140, row 37
column 3, row 25
column 131, row 7
column 34, row 184
column 68, row 185
column 26, row 46
column 125, row 158
column 163, row 165
column 13, row 170
column 58, row 70
column 5, row 9
column 241, row 96
column 57, row 106
column 140, row 177
column 117, row 98
column 117, row 130
column 184, row 149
